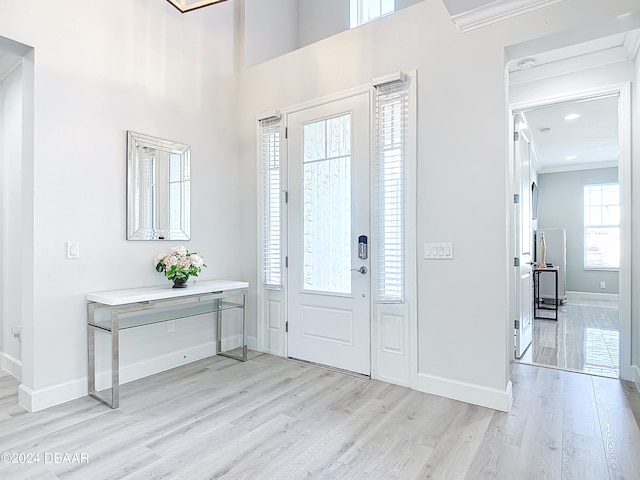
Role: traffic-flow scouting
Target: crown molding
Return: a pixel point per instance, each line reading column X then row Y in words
column 498, row 11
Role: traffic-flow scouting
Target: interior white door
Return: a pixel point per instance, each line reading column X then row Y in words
column 328, row 304
column 523, row 239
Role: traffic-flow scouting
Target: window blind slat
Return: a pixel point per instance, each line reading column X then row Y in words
column 270, row 157
column 391, row 120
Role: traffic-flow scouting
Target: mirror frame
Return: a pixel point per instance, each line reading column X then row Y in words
column 149, row 203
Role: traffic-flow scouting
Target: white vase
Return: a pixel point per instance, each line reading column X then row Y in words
column 543, row 252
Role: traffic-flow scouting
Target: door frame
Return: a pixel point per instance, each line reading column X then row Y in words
column 407, row 363
column 355, row 101
column 623, row 90
column 519, row 212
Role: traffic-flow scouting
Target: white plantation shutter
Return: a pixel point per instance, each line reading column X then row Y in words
column 392, row 101
column 270, row 156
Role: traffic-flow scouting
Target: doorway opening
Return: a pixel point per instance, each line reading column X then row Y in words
column 597, row 76
column 575, row 174
column 579, row 146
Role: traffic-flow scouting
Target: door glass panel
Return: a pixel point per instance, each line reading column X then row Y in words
column 327, row 205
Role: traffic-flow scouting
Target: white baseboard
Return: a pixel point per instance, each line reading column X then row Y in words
column 252, row 343
column 467, row 392
column 577, row 296
column 36, row 400
column 636, row 376
column 11, row 365
column 151, row 366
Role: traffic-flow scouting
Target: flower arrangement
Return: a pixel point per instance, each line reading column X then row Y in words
column 179, row 264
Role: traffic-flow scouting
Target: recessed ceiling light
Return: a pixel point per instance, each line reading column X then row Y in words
column 570, row 157
column 572, row 116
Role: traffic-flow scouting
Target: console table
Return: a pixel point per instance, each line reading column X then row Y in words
column 145, row 306
column 537, row 301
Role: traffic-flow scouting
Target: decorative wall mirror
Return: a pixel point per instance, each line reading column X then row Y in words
column 158, row 188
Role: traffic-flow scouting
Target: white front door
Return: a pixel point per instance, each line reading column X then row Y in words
column 523, row 239
column 328, row 283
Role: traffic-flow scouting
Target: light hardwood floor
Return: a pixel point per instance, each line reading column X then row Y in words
column 585, row 338
column 271, row 418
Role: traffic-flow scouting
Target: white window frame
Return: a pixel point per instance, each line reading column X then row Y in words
column 359, row 11
column 600, row 225
column 271, row 271
column 389, row 182
column 270, row 161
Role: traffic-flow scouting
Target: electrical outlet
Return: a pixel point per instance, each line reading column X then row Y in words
column 171, row 326
column 73, row 250
column 603, row 285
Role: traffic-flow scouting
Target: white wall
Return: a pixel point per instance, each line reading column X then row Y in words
column 102, row 68
column 463, row 175
column 318, row 20
column 270, row 29
column 277, row 27
column 10, row 218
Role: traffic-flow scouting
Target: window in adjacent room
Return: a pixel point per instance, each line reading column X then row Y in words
column 364, row 11
column 602, row 226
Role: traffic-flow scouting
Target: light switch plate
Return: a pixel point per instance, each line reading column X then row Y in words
column 438, row 251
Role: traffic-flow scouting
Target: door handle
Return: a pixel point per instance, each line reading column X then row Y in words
column 362, row 270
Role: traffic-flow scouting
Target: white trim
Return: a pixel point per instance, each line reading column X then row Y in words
column 11, row 365
column 317, row 102
column 263, row 341
column 36, row 400
column 625, row 181
column 498, row 11
column 626, row 226
column 577, row 166
column 636, row 380
column 411, row 216
column 570, row 65
column 603, row 297
column 467, row 392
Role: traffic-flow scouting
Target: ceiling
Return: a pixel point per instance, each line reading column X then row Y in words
column 592, row 139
